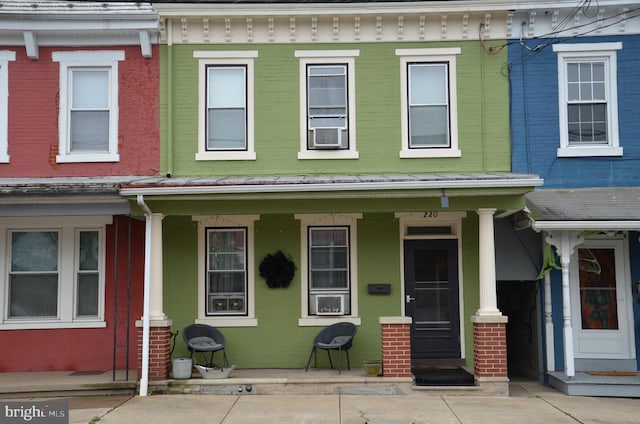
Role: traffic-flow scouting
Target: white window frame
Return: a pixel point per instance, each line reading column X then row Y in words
column 5, row 57
column 68, row 230
column 333, row 57
column 225, row 58
column 328, row 220
column 589, row 52
column 426, row 56
column 230, row 221
column 70, row 61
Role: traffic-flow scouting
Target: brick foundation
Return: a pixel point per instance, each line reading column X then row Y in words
column 396, row 349
column 490, row 349
column 159, row 353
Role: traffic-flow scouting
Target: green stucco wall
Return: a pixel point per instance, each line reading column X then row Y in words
column 482, row 113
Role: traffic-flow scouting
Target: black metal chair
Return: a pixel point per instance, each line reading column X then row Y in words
column 202, row 338
column 338, row 337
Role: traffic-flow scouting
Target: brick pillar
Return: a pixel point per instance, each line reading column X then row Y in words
column 396, row 346
column 490, row 349
column 159, row 353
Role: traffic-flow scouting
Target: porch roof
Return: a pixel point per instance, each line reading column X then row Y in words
column 609, row 208
column 162, row 186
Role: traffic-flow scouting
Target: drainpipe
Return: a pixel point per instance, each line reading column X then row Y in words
column 169, row 26
column 144, row 378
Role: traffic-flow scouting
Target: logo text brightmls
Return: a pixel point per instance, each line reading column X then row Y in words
column 53, row 412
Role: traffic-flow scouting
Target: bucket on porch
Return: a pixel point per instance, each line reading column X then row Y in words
column 372, row 368
column 182, row 368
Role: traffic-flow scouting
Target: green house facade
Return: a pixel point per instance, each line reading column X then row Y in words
column 370, row 146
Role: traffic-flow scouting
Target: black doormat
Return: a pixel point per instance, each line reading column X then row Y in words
column 442, row 376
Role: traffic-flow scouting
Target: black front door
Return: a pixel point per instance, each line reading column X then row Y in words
column 431, row 296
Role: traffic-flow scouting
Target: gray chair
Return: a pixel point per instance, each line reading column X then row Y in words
column 337, row 337
column 202, row 338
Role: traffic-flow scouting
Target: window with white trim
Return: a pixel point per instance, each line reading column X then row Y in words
column 328, row 268
column 429, row 102
column 226, row 260
column 327, row 99
column 88, row 115
column 588, row 100
column 225, row 127
column 5, row 58
column 53, row 275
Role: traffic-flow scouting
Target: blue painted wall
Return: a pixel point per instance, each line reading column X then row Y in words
column 534, row 117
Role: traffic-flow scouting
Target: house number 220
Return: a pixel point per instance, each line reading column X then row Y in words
column 431, row 214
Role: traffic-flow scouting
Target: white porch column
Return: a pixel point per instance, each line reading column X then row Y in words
column 156, row 312
column 548, row 323
column 565, row 241
column 487, row 265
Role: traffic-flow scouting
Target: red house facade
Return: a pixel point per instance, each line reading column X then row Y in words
column 79, row 87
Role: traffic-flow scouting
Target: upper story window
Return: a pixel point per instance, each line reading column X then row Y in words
column 226, row 292
column 53, row 275
column 588, row 100
column 327, row 96
column 88, row 116
column 429, row 103
column 225, row 128
column 5, row 58
column 329, row 268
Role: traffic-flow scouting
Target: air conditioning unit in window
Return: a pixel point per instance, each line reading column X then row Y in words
column 327, row 138
column 330, row 304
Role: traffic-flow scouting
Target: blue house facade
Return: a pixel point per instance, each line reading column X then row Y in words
column 573, row 79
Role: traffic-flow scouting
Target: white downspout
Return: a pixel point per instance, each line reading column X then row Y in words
column 144, row 378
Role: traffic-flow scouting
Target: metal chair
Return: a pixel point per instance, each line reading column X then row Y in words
column 338, row 337
column 205, row 338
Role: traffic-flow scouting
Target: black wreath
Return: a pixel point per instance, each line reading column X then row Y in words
column 277, row 269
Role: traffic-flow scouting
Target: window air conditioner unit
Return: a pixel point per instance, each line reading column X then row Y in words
column 330, row 304
column 327, row 138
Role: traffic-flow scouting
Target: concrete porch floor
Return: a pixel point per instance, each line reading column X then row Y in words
column 242, row 381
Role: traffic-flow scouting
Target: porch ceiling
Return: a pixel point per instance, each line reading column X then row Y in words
column 585, row 208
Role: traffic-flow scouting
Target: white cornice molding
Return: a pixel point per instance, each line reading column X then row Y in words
column 389, row 22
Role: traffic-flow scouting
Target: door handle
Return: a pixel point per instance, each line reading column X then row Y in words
column 409, row 298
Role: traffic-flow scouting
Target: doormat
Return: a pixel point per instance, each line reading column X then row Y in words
column 87, row 373
column 442, row 376
column 613, row 373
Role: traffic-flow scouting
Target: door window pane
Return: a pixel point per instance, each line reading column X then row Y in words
column 598, row 297
column 432, row 289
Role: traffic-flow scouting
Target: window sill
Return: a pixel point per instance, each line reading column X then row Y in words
column 328, row 154
column 576, row 151
column 37, row 325
column 207, row 156
column 430, row 153
column 79, row 158
column 4, row 159
column 326, row 320
column 228, row 321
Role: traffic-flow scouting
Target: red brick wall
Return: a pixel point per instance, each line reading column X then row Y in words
column 490, row 349
column 396, row 350
column 159, row 353
column 90, row 349
column 33, row 116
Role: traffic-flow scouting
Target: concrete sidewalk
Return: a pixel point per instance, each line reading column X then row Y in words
column 529, row 402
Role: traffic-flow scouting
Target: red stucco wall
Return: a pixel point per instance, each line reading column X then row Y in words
column 33, row 117
column 89, row 349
